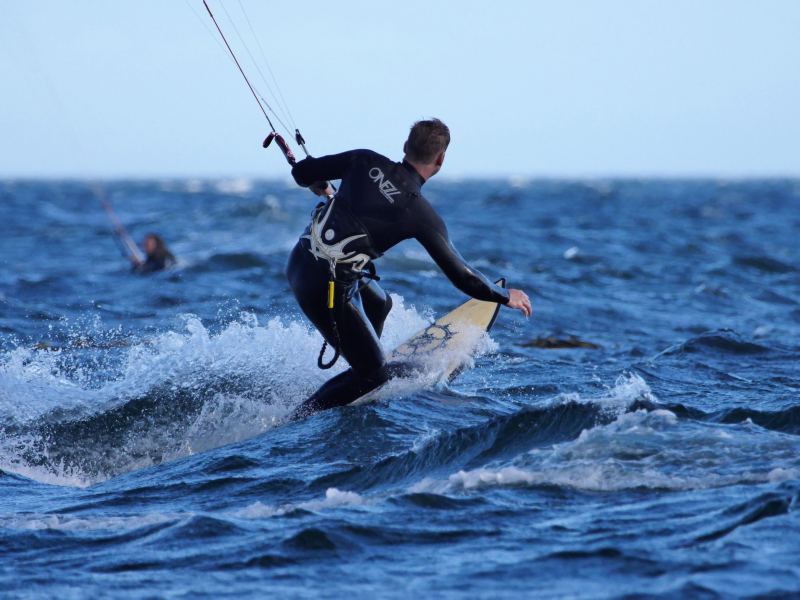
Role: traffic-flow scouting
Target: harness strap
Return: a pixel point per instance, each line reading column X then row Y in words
column 368, row 273
column 330, row 304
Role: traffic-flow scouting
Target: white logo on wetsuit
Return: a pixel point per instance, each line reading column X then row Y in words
column 333, row 253
column 386, row 187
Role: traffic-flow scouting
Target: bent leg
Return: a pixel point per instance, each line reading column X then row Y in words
column 354, row 331
column 377, row 304
column 341, row 390
column 361, row 348
column 308, row 278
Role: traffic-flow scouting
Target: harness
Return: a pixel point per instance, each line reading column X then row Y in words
column 355, row 265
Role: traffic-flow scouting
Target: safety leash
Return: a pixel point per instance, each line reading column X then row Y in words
column 336, row 339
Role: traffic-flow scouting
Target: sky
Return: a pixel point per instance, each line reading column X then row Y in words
column 603, row 88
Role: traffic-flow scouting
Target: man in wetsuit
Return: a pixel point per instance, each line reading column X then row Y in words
column 378, row 205
column 157, row 255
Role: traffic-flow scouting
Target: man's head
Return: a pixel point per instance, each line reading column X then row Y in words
column 426, row 145
column 154, row 245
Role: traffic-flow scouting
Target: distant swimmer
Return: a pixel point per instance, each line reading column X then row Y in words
column 330, row 269
column 157, row 255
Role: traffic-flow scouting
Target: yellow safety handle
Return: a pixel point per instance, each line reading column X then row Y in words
column 330, row 294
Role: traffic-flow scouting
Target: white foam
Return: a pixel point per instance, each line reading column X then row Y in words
column 273, row 366
column 599, row 478
column 627, row 389
column 259, row 510
column 57, row 522
column 425, row 439
column 780, row 474
column 641, row 449
column 334, row 498
column 234, row 187
column 403, row 322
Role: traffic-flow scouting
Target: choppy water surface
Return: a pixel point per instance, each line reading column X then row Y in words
column 142, row 445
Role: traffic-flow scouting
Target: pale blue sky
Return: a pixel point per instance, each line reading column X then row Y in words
column 569, row 88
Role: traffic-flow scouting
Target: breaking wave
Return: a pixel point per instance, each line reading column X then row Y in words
column 177, row 394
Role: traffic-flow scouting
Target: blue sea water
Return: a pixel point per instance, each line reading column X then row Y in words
column 144, row 450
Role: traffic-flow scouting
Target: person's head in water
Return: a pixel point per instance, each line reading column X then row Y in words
column 154, row 246
column 157, row 254
column 426, row 145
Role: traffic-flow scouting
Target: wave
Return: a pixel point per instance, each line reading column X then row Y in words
column 228, row 261
column 765, row 264
column 500, row 437
column 189, row 391
column 177, row 525
column 786, row 421
column 724, row 340
column 637, row 448
column 334, row 498
column 771, row 504
column 178, row 394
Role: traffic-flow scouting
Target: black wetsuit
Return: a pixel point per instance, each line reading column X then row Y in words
column 378, row 205
column 154, row 263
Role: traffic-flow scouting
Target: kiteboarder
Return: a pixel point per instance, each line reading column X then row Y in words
column 331, row 271
column 157, row 255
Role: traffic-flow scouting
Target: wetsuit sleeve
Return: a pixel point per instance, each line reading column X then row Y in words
column 324, row 168
column 432, row 234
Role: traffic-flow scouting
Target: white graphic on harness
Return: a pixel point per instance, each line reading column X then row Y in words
column 333, row 253
column 386, row 187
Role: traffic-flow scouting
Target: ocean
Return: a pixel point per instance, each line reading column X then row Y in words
column 637, row 437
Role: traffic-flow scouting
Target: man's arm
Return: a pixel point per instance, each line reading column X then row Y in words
column 312, row 170
column 432, row 234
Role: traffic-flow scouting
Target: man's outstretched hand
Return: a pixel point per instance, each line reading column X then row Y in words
column 519, row 300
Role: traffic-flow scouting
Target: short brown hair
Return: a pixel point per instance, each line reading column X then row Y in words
column 426, row 140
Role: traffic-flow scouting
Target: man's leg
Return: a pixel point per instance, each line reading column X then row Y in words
column 353, row 333
column 377, row 304
column 340, row 391
column 361, row 348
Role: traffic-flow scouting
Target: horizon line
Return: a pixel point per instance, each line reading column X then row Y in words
column 442, row 178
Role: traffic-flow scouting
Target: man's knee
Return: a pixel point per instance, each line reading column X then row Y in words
column 378, row 310
column 343, row 389
column 377, row 377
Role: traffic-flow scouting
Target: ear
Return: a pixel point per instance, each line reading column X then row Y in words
column 405, row 147
column 440, row 159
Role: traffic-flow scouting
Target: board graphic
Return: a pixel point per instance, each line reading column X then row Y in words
column 443, row 348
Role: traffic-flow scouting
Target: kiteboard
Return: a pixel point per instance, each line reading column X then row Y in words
column 444, row 348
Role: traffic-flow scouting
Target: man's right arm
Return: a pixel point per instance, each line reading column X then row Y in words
column 325, row 168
